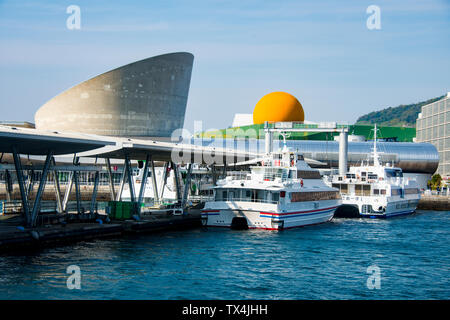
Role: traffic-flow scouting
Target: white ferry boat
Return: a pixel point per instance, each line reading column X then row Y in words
column 283, row 192
column 375, row 191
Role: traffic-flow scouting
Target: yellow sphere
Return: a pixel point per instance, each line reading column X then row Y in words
column 278, row 107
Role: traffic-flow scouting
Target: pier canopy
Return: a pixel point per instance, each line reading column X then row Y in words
column 37, row 142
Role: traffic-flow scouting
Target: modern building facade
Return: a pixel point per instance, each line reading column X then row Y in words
column 142, row 99
column 433, row 126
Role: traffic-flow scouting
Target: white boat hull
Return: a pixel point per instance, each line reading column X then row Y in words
column 368, row 206
column 268, row 220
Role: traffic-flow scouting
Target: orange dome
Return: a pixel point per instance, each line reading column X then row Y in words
column 278, row 107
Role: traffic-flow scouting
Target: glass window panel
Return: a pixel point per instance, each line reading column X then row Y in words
column 435, row 108
column 435, row 118
column 447, row 133
column 441, row 118
column 434, row 133
column 442, row 106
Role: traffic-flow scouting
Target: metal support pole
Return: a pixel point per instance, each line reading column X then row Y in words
column 111, row 180
column 268, row 138
column 187, row 185
column 77, row 191
column 94, row 192
column 164, row 180
column 144, row 179
column 155, row 186
column 214, row 176
column 177, row 181
column 23, row 194
column 8, row 185
column 130, row 178
column 67, row 193
column 30, row 183
column 122, row 183
column 59, row 205
column 37, row 201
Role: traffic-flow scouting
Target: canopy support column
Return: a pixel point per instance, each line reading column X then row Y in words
column 67, row 193
column 177, row 181
column 111, row 180
column 130, row 178
column 37, row 201
column 94, row 192
column 155, row 186
column 122, row 183
column 187, row 185
column 143, row 184
column 164, row 180
column 20, row 180
column 59, row 204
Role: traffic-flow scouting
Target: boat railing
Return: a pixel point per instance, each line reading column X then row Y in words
column 238, row 175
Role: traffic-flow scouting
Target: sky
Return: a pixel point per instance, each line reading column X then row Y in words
column 322, row 52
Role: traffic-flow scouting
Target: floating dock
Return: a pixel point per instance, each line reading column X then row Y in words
column 14, row 237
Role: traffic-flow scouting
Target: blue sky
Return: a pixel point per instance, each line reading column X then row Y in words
column 319, row 51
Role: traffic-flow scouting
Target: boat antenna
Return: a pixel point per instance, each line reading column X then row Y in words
column 284, row 135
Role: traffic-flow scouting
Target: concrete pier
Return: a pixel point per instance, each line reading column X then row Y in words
column 434, row 202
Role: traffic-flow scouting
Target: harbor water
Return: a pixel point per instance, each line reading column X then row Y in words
column 327, row 261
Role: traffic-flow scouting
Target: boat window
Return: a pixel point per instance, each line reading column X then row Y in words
column 372, row 176
column 395, row 192
column 392, row 173
column 350, row 176
column 291, row 174
column 261, row 195
column 363, row 174
column 275, row 196
column 308, row 174
column 277, row 156
column 246, row 194
column 221, row 195
column 382, row 191
column 300, row 157
column 314, row 196
column 411, row 191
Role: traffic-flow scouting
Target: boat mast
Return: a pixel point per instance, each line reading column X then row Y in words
column 376, row 161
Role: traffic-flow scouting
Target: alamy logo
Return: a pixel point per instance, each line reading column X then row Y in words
column 374, row 280
column 73, row 22
column 374, row 20
column 74, row 280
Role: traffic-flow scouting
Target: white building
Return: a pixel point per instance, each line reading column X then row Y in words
column 433, row 126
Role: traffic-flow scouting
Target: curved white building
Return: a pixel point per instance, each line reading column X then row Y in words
column 146, row 98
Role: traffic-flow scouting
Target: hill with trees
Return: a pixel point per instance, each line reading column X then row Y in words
column 400, row 116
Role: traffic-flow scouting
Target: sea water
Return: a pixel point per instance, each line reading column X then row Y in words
column 399, row 258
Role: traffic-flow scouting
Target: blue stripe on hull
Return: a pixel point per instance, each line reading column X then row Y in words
column 384, row 216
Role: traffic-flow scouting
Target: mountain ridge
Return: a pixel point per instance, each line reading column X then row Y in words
column 404, row 115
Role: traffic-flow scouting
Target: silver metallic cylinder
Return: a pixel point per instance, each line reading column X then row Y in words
column 343, row 152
